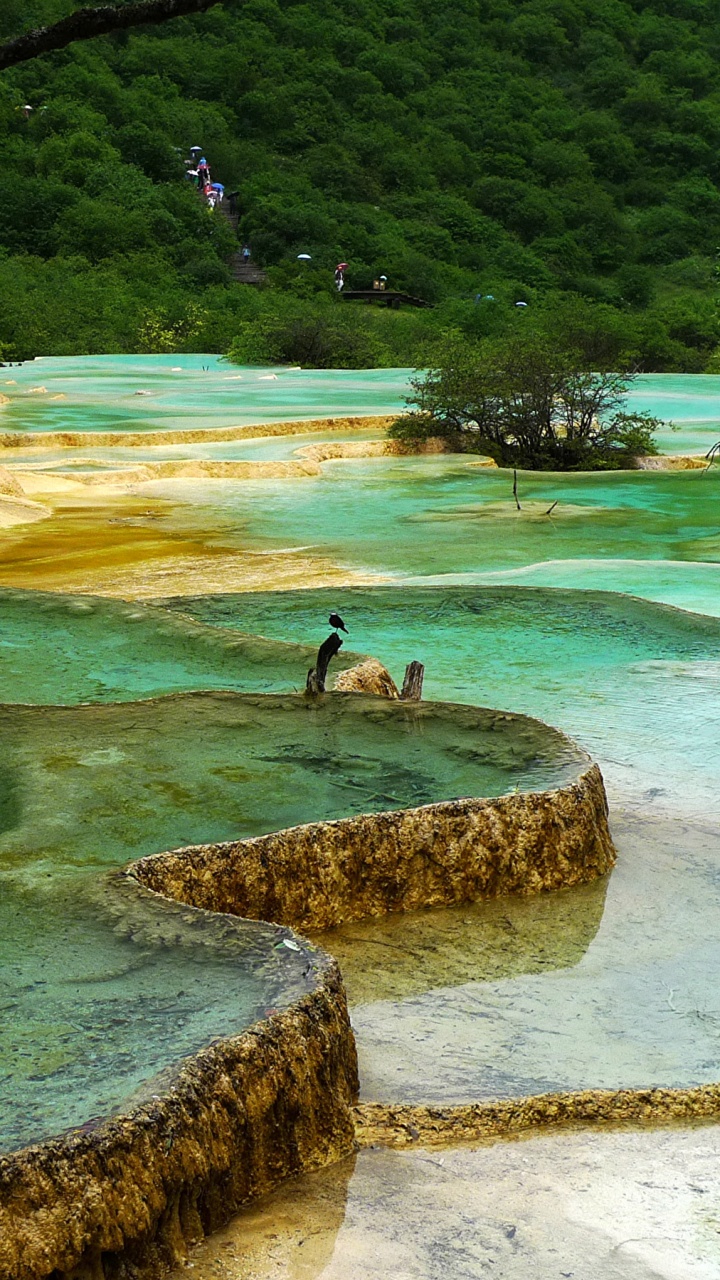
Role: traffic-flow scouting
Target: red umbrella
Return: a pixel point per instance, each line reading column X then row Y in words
column 342, row 266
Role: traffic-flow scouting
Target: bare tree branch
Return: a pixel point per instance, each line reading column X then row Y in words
column 88, row 23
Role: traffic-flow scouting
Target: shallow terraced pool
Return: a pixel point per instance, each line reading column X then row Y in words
column 608, row 985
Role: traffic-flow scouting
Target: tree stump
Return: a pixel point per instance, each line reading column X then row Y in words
column 317, row 674
column 413, row 682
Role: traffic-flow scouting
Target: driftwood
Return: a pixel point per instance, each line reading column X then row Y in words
column 317, row 674
column 85, row 24
column 413, row 682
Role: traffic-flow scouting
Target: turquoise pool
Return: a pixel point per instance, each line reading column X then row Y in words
column 615, row 984
column 145, row 393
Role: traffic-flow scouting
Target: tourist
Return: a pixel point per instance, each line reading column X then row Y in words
column 340, row 270
column 246, row 254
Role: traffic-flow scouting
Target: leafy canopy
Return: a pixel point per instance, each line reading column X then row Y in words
column 524, row 149
column 527, row 403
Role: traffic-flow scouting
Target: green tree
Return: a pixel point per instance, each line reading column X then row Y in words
column 527, row 404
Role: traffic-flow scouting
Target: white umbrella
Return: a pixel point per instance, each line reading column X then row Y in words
column 304, row 257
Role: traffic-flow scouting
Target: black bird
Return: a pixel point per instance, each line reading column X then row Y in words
column 336, row 621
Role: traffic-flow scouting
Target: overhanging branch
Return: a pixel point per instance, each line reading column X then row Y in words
column 88, row 23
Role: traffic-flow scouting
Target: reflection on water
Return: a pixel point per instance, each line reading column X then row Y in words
column 96, row 997
column 611, row 1205
column 640, row 1007
column 400, row 957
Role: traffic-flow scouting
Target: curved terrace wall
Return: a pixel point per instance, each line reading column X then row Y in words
column 323, row 874
column 124, row 1196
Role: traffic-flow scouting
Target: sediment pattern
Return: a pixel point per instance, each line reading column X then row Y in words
column 327, row 873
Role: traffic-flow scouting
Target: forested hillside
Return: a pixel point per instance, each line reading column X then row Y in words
column 523, row 150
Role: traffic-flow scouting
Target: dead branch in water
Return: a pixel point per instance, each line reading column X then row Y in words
column 711, row 455
column 316, row 675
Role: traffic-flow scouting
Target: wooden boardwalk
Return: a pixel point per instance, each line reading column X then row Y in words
column 390, row 297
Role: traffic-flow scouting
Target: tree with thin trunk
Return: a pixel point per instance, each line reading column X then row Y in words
column 86, row 24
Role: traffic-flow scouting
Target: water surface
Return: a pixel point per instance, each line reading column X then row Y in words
column 432, row 519
column 97, row 994
column 145, row 393
column 611, row 1205
column 163, row 393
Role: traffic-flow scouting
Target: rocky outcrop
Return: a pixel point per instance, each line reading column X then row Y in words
column 369, row 676
column 326, row 873
column 125, row 1197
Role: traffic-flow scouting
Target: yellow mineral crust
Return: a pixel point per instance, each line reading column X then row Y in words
column 327, row 451
column 188, row 435
column 182, row 469
column 404, row 1125
column 106, row 542
column 671, row 462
